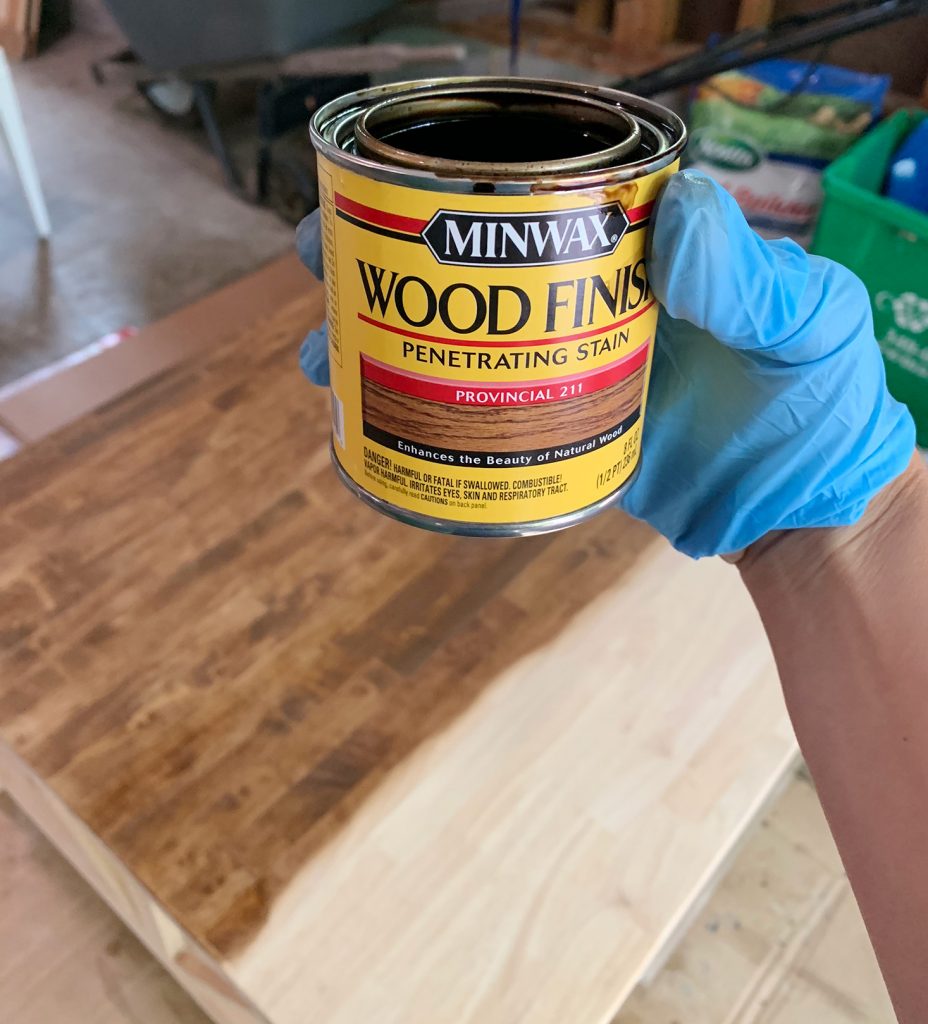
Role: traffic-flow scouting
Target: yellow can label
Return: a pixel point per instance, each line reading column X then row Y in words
column 489, row 354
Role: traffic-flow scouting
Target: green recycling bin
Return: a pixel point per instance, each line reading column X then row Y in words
column 886, row 244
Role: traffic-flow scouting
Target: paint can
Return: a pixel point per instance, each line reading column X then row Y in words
column 491, row 325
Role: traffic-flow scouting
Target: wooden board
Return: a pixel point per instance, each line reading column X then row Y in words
column 328, row 767
column 644, row 24
column 64, row 958
column 19, row 27
column 52, row 397
column 754, row 13
column 781, row 937
column 592, row 15
column 556, row 35
column 780, row 942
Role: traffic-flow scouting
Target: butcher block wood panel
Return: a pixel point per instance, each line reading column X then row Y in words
column 332, row 768
column 779, row 942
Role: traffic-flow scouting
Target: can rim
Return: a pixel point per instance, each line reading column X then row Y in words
column 332, row 129
column 369, row 126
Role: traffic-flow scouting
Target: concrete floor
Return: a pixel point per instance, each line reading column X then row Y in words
column 142, row 223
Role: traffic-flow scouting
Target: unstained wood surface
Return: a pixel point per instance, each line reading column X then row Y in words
column 372, row 773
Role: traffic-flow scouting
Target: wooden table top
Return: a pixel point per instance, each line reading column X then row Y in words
column 332, row 768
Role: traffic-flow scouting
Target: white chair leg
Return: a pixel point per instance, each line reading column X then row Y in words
column 14, row 132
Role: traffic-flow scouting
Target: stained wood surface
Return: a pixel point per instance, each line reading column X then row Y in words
column 64, row 958
column 333, row 768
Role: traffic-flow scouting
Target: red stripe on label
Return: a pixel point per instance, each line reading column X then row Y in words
column 379, row 217
column 539, row 392
column 469, row 342
column 414, row 226
column 639, row 213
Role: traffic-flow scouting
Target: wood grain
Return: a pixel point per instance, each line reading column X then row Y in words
column 64, row 957
column 754, row 13
column 644, row 25
column 110, row 878
column 554, row 34
column 592, row 15
column 39, row 405
column 333, row 768
column 780, row 942
column 19, row 27
column 504, row 429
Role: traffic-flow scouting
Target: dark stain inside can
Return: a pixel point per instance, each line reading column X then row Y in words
column 502, row 136
column 500, row 131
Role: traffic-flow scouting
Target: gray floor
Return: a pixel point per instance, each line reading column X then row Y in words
column 142, row 223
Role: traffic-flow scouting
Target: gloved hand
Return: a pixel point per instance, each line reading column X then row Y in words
column 768, row 407
column 314, row 352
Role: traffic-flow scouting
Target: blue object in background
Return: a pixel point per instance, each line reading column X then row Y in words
column 817, row 79
column 907, row 180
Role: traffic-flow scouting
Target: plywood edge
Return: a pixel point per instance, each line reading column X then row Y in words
column 193, row 968
column 47, row 401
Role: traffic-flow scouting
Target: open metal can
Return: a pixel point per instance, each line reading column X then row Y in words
column 491, row 325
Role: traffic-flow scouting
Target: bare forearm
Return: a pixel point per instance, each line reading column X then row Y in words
column 845, row 611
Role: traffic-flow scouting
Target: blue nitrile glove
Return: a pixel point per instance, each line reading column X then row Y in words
column 314, row 352
column 768, row 407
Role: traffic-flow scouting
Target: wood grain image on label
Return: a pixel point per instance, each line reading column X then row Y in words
column 515, row 428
